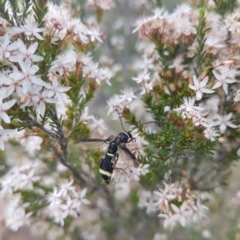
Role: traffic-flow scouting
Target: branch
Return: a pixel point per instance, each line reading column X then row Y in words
column 33, row 123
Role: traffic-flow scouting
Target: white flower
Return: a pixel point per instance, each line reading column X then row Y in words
column 24, row 53
column 146, row 200
column 91, row 71
column 200, row 87
column 6, row 186
column 199, row 211
column 210, row 133
column 103, row 4
column 80, row 198
column 81, row 31
column 63, row 62
column 31, row 30
column 146, row 87
column 163, row 199
column 13, row 84
column 66, row 202
column 143, row 77
column 188, row 105
column 169, row 222
column 55, row 89
column 177, row 64
column 95, row 34
column 85, row 115
column 6, row 47
column 188, row 110
column 83, row 60
column 128, row 95
column 27, row 179
column 181, row 214
column 53, row 198
column 15, row 214
column 115, row 102
column 41, row 100
column 4, row 107
column 66, row 188
column 70, row 207
column 98, row 124
column 27, row 76
column 224, row 75
column 102, row 74
column 223, row 122
column 32, row 144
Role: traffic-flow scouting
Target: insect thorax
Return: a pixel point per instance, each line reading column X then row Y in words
column 124, row 136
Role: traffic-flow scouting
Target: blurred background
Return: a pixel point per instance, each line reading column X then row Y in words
column 122, row 52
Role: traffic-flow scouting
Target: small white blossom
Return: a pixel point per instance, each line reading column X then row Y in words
column 181, row 214
column 98, row 124
column 31, row 30
column 200, row 87
column 32, row 144
column 169, row 221
column 223, row 122
column 95, row 34
column 41, row 100
column 55, row 89
column 66, row 202
column 15, row 214
column 128, row 95
column 24, row 53
column 224, row 76
column 6, row 47
column 142, row 77
column 199, row 211
column 210, row 133
column 4, row 106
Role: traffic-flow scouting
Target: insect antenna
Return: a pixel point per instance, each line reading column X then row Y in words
column 142, row 125
column 120, row 120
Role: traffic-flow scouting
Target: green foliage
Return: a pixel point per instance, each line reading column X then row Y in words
column 225, row 6
column 159, row 3
column 201, row 38
column 40, row 9
column 3, row 13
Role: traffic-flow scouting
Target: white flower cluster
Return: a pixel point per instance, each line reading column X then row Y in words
column 60, row 25
column 178, row 206
column 65, row 202
column 101, row 4
column 23, row 81
column 197, row 115
column 224, row 75
column 174, row 27
column 179, row 27
column 146, row 200
column 71, row 61
column 125, row 170
column 120, row 102
column 15, row 214
column 21, row 176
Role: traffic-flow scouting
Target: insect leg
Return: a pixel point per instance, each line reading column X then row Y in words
column 116, row 168
column 131, row 140
column 115, row 160
column 100, row 160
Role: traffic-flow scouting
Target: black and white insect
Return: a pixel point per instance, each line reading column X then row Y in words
column 109, row 161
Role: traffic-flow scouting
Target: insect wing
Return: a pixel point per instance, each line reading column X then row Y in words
column 129, row 154
column 107, row 140
column 91, row 140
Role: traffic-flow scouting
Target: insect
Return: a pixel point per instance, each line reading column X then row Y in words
column 109, row 161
